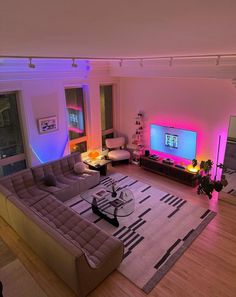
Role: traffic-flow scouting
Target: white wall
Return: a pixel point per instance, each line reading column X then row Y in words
column 46, row 97
column 203, row 105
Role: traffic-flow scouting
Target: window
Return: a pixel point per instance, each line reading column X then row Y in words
column 76, row 119
column 12, row 157
column 106, row 94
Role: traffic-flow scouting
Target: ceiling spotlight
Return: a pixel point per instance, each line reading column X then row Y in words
column 121, row 62
column 74, row 64
column 218, row 61
column 31, row 65
column 141, row 62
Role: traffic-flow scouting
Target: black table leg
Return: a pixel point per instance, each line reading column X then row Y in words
column 96, row 210
column 1, row 289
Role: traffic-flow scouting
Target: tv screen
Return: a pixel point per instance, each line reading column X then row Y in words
column 177, row 142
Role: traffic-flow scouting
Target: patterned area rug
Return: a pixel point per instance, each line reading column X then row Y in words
column 155, row 235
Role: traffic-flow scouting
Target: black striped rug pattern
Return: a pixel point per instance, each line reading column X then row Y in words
column 155, row 211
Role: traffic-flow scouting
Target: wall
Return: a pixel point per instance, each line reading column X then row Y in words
column 202, row 105
column 43, row 97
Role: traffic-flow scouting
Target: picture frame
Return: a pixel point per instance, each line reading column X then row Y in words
column 48, row 124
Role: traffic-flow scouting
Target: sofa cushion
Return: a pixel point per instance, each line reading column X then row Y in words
column 79, row 167
column 118, row 155
column 50, row 180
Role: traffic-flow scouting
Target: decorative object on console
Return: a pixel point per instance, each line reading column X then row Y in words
column 207, row 185
column 48, row 124
column 79, row 167
column 168, row 161
column 153, row 157
column 138, row 138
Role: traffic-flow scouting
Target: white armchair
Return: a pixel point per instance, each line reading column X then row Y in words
column 117, row 153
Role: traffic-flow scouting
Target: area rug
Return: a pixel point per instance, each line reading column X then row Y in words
column 155, row 235
column 15, row 278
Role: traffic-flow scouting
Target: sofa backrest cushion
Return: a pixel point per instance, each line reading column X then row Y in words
column 68, row 162
column 18, row 181
column 50, row 180
column 56, row 168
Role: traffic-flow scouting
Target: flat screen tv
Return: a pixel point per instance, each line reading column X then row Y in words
column 177, row 142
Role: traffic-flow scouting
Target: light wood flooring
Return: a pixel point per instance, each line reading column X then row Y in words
column 207, row 268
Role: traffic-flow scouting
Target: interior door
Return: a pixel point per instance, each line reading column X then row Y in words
column 12, row 156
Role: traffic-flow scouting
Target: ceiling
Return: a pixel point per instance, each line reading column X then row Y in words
column 118, row 29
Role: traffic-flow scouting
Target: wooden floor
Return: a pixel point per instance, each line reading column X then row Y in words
column 207, row 268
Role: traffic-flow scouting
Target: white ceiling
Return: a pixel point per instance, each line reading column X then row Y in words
column 117, row 28
column 122, row 29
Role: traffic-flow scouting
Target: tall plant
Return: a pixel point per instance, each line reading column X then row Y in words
column 207, row 185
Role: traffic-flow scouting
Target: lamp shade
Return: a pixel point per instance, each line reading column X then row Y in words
column 93, row 154
column 193, row 169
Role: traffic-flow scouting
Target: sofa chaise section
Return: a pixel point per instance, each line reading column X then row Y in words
column 79, row 252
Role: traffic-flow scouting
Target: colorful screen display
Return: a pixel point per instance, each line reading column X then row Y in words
column 171, row 140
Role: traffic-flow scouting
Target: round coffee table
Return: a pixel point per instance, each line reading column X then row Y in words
column 108, row 205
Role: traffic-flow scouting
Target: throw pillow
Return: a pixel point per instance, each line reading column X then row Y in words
column 50, row 180
column 79, row 167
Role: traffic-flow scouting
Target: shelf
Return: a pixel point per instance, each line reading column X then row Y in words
column 170, row 171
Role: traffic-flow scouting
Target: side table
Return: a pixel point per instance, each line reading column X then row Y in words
column 99, row 165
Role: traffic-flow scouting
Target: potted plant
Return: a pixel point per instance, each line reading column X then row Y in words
column 206, row 185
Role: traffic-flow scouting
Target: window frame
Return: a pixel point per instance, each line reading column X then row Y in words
column 20, row 156
column 75, row 141
column 111, row 130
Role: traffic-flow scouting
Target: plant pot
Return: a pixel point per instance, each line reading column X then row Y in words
column 218, row 186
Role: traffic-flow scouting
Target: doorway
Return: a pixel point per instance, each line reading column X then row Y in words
column 12, row 154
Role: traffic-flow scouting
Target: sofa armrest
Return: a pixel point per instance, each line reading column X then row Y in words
column 91, row 171
column 5, row 191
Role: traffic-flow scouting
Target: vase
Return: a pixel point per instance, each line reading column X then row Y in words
column 113, row 194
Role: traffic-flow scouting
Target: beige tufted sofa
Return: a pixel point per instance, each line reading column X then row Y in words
column 77, row 250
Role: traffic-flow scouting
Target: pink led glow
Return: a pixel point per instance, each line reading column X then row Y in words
column 76, row 130
column 74, row 107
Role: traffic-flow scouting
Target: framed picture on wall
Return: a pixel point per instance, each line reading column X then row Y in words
column 48, row 124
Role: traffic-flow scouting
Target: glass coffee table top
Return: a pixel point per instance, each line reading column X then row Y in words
column 104, row 202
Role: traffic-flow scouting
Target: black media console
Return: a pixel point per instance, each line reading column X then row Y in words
column 171, row 171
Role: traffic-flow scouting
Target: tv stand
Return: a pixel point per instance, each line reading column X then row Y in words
column 171, row 171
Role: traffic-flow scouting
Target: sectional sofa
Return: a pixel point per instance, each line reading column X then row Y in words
column 80, row 253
